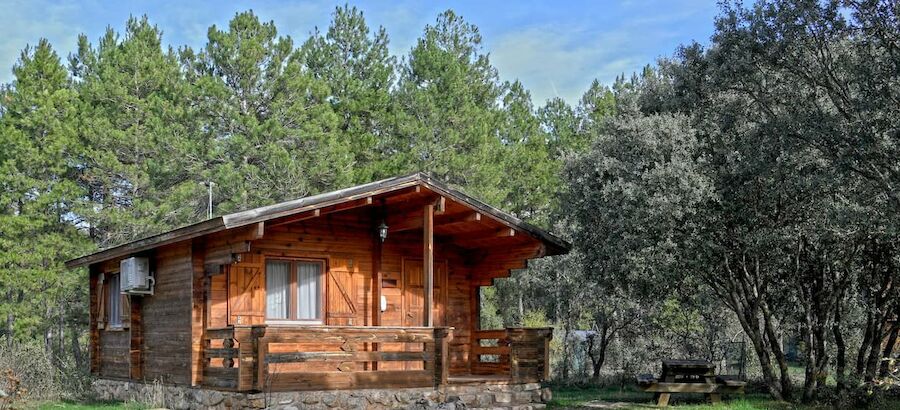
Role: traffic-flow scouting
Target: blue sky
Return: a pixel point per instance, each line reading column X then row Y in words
column 556, row 48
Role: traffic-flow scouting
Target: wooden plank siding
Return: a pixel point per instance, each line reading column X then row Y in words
column 167, row 317
column 114, row 359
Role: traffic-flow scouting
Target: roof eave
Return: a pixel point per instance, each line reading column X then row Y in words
column 181, row 234
column 555, row 245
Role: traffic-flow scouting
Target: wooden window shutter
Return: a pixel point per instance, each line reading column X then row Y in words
column 340, row 293
column 101, row 302
column 125, row 310
column 246, row 291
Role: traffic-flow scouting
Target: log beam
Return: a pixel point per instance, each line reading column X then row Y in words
column 480, row 235
column 314, row 213
column 428, row 261
column 413, row 220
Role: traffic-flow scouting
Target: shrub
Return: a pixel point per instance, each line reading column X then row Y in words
column 39, row 377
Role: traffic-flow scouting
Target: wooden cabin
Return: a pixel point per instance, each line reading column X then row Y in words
column 374, row 286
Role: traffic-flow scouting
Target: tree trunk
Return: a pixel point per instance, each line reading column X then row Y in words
column 76, row 346
column 889, row 350
column 787, row 386
column 599, row 357
column 874, row 352
column 840, row 345
column 765, row 362
column 565, row 352
column 864, row 346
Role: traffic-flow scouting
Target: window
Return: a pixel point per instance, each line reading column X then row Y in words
column 294, row 290
column 114, row 301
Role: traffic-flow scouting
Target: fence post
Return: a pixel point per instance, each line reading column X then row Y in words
column 442, row 337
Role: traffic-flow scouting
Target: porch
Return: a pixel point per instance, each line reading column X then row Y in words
column 273, row 358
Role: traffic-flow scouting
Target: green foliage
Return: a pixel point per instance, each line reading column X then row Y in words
column 536, row 318
column 489, row 316
column 264, row 109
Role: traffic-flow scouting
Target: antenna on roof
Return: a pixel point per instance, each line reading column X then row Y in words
column 209, row 185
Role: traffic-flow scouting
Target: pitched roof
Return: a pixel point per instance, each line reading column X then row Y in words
column 555, row 245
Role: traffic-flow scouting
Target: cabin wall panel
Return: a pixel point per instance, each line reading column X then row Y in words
column 167, row 317
column 114, row 357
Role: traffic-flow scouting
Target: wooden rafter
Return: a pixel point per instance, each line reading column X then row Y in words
column 413, row 220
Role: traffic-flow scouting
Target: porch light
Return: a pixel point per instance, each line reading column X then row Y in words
column 382, row 231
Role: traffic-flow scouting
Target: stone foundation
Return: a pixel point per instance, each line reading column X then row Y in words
column 487, row 396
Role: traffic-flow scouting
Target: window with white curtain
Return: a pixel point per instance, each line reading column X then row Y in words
column 278, row 287
column 114, row 301
column 309, row 290
column 294, row 290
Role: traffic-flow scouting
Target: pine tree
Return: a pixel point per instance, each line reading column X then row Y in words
column 531, row 175
column 359, row 70
column 143, row 149
column 38, row 197
column 276, row 131
column 448, row 116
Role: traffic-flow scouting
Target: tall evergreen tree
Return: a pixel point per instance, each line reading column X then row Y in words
column 448, row 115
column 142, row 151
column 39, row 298
column 359, row 70
column 276, row 131
column 530, row 174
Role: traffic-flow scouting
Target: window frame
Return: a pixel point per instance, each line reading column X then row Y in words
column 293, row 301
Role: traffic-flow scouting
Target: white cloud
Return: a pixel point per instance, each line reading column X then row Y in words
column 553, row 62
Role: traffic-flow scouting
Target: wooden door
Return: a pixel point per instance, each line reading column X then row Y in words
column 414, row 293
column 340, row 293
column 414, row 299
column 246, row 291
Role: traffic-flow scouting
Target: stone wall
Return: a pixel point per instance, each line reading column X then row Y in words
column 488, row 396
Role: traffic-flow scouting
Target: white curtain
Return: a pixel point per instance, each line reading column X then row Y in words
column 278, row 282
column 309, row 290
column 115, row 300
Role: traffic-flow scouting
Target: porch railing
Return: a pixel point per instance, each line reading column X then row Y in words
column 279, row 358
column 521, row 353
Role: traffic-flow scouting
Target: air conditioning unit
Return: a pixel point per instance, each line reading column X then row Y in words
column 135, row 277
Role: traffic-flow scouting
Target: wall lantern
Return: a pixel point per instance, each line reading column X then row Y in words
column 382, row 231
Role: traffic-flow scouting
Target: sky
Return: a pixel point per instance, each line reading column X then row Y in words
column 556, row 48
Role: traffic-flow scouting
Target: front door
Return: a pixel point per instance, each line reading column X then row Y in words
column 414, row 293
column 414, row 300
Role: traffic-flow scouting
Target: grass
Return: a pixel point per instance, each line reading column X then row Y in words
column 66, row 405
column 630, row 398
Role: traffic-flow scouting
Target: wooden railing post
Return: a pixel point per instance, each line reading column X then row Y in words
column 442, row 337
column 248, row 354
column 516, row 338
column 261, row 366
column 529, row 354
column 545, row 364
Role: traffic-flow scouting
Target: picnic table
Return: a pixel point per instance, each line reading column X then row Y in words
column 689, row 376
